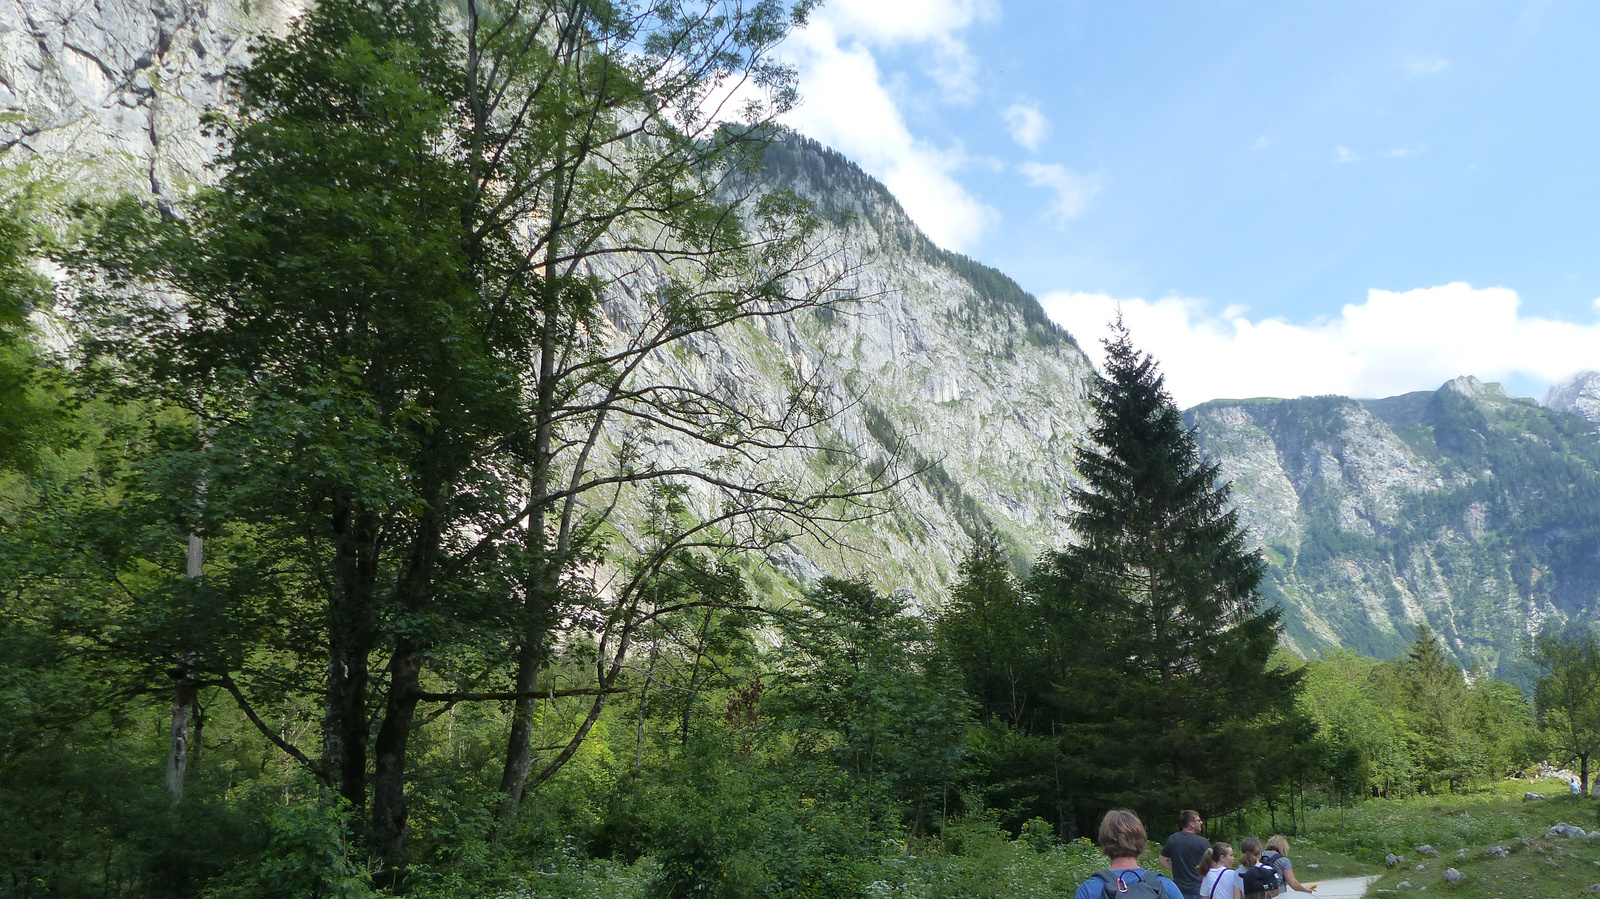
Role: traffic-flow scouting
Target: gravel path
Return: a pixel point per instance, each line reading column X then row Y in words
column 1338, row 888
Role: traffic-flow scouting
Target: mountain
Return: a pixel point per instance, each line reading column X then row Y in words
column 943, row 361
column 1474, row 511
column 1464, row 507
column 1579, row 395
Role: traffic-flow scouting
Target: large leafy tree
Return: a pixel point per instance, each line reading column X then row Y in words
column 1567, row 695
column 426, row 320
column 1165, row 691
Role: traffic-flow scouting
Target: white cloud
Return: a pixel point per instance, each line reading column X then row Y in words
column 847, row 104
column 1342, row 153
column 934, row 24
column 1426, row 65
column 1028, row 125
column 1395, row 342
column 1072, row 190
column 1415, row 149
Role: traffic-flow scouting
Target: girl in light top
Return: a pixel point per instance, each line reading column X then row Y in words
column 1220, row 880
column 1277, row 855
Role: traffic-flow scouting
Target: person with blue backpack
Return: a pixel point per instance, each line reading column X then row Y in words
column 1123, row 840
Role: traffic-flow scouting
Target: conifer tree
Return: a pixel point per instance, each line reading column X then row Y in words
column 1165, row 694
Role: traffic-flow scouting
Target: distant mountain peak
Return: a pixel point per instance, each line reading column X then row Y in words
column 1467, row 385
column 1579, row 394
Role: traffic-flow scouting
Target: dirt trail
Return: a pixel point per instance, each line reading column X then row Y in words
column 1339, row 888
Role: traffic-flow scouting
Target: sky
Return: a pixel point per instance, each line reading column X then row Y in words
column 1282, row 199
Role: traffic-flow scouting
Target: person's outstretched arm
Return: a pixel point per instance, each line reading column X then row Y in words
column 1295, row 884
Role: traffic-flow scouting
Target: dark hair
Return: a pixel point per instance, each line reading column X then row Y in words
column 1188, row 816
column 1250, row 851
column 1212, row 857
column 1122, row 834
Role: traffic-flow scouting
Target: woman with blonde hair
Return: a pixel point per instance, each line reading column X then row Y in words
column 1220, row 882
column 1277, row 855
column 1258, row 879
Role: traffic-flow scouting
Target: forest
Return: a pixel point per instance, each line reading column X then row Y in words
column 340, row 556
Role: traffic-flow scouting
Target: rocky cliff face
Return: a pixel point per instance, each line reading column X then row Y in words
column 943, row 361
column 1465, row 508
column 1462, row 507
column 1579, row 395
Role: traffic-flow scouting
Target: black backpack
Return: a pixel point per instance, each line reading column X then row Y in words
column 1148, row 886
column 1260, row 878
column 1275, row 859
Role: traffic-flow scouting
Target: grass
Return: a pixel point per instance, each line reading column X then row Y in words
column 1461, row 827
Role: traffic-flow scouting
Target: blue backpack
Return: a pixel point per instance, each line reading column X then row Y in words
column 1148, row 886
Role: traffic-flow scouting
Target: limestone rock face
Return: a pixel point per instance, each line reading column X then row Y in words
column 1579, row 395
column 111, row 92
column 945, row 364
column 1461, row 508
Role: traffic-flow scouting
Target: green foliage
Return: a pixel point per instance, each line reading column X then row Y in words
column 1165, row 695
column 1415, row 725
column 863, row 688
column 309, row 854
column 1567, row 696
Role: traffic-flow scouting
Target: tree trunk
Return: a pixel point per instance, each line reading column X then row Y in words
column 519, row 748
column 351, row 634
column 184, row 692
column 184, row 695
column 415, row 592
column 541, row 586
column 389, row 830
column 1583, row 773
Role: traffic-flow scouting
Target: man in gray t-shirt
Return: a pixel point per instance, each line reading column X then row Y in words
column 1180, row 854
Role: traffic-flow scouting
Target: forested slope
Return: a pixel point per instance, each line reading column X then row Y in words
column 1465, row 508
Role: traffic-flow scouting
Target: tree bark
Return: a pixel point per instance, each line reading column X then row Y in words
column 416, row 591
column 519, row 754
column 351, row 634
column 184, row 692
column 389, row 812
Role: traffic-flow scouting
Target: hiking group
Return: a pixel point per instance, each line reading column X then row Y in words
column 1200, row 869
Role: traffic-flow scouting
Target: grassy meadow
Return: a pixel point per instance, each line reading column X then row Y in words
column 1463, row 828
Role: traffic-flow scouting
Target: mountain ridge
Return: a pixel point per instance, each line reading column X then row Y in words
column 1375, row 514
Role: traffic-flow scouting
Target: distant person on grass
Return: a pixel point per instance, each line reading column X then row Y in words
column 1277, row 855
column 1258, row 879
column 1220, row 882
column 1123, row 840
column 1181, row 853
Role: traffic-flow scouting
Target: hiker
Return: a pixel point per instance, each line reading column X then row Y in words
column 1220, row 881
column 1123, row 840
column 1277, row 855
column 1180, row 854
column 1258, row 879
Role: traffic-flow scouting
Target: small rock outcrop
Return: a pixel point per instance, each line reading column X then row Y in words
column 1427, row 851
column 1497, row 852
column 1451, row 875
column 1392, row 860
column 1570, row 831
column 1532, row 797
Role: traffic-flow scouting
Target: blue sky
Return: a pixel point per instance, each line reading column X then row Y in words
column 1283, row 198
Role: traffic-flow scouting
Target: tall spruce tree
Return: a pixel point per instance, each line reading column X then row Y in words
column 1165, row 692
